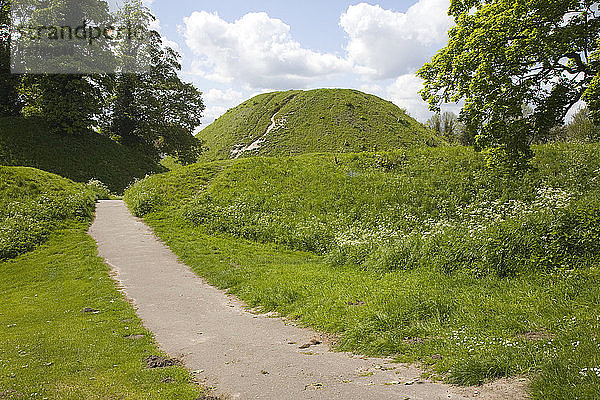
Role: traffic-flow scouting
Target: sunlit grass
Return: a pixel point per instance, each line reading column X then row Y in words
column 467, row 330
column 421, row 254
column 50, row 348
column 322, row 120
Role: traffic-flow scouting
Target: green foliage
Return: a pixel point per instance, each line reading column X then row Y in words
column 10, row 104
column 504, row 55
column 154, row 111
column 582, row 128
column 155, row 191
column 447, row 125
column 100, row 189
column 592, row 94
column 33, row 203
column 26, row 142
column 323, row 120
column 70, row 104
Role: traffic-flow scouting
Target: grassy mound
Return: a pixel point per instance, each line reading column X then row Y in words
column 323, row 120
column 422, row 253
column 401, row 210
column 33, row 203
column 24, row 142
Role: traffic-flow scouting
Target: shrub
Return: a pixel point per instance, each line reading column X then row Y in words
column 102, row 191
column 143, row 198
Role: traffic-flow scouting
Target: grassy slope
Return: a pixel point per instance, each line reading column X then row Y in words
column 33, row 203
column 49, row 348
column 468, row 327
column 323, row 120
column 23, row 142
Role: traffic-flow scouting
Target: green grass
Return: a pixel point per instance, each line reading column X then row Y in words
column 435, row 207
column 49, row 273
column 472, row 274
column 24, row 142
column 50, row 349
column 34, row 202
column 323, row 120
column 466, row 330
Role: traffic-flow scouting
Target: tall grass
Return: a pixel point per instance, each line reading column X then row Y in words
column 401, row 210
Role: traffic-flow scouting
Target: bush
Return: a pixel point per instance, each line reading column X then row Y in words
column 142, row 198
column 102, row 191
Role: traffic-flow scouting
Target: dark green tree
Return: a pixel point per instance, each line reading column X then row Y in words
column 153, row 110
column 68, row 103
column 66, row 86
column 10, row 104
column 503, row 55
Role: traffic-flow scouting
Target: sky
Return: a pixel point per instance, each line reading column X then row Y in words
column 232, row 50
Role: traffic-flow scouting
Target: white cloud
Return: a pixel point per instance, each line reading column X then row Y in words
column 217, row 102
column 370, row 88
column 385, row 44
column 211, row 113
column 404, row 92
column 256, row 50
column 217, row 96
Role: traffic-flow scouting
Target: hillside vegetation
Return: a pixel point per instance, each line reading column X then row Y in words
column 420, row 253
column 322, row 120
column 25, row 142
column 33, row 203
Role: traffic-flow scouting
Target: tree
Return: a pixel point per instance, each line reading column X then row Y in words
column 10, row 104
column 582, row 128
column 448, row 125
column 62, row 82
column 503, row 55
column 153, row 110
column 69, row 104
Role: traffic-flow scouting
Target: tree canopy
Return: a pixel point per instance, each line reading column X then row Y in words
column 128, row 88
column 154, row 111
column 9, row 83
column 506, row 56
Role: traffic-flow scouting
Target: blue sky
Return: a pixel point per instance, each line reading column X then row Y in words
column 233, row 50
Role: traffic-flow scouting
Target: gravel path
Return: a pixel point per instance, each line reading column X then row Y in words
column 240, row 354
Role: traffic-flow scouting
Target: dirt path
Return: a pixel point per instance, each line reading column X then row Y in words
column 243, row 355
